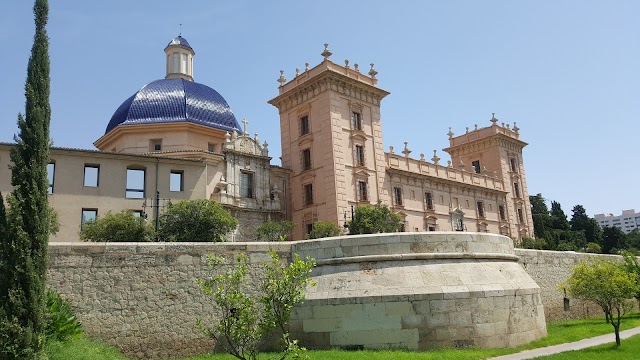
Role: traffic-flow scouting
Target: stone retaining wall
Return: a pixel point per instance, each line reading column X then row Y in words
column 142, row 298
column 550, row 269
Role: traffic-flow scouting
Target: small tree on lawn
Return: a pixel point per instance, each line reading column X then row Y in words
column 274, row 230
column 245, row 321
column 120, row 227
column 632, row 266
column 607, row 284
column 374, row 219
column 195, row 220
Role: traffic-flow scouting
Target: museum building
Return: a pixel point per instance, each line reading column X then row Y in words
column 178, row 139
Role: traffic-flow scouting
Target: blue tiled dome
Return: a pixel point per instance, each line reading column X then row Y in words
column 180, row 41
column 175, row 100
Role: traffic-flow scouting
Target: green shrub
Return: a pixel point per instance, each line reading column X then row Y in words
column 62, row 323
column 196, row 220
column 594, row 248
column 323, row 229
column 530, row 243
column 120, row 227
column 274, row 230
column 374, row 219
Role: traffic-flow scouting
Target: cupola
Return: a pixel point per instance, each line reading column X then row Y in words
column 179, row 59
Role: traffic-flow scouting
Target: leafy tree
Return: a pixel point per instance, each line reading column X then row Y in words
column 120, row 227
column 558, row 217
column 632, row 266
column 275, row 230
column 540, row 215
column 613, row 240
column 593, row 231
column 579, row 218
column 633, row 239
column 246, row 321
column 323, row 229
column 607, row 284
column 195, row 220
column 23, row 252
column 374, row 219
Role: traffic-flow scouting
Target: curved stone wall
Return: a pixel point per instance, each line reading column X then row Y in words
column 411, row 290
column 418, row 291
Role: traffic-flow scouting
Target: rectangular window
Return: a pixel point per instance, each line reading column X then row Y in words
column 362, row 191
column 246, row 184
column 308, row 194
column 356, row 119
column 135, row 184
column 88, row 216
column 306, row 159
column 514, row 164
column 211, row 147
column 176, row 181
column 501, row 212
column 480, row 209
column 308, row 227
column 304, row 125
column 51, row 169
column 521, row 215
column 397, row 196
column 466, row 203
column 516, row 189
column 176, row 63
column 476, row 166
column 137, row 213
column 184, row 64
column 428, row 200
column 155, row 145
column 91, row 175
column 359, row 155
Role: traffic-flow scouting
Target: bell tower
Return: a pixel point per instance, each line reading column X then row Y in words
column 179, row 59
column 331, row 140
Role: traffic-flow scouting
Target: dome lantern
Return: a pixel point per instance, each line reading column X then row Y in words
column 179, row 55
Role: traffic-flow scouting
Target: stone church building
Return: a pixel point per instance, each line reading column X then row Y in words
column 178, row 139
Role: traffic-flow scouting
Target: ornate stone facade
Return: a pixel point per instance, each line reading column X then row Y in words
column 483, row 188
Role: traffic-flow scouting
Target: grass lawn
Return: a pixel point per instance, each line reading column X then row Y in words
column 559, row 332
column 629, row 349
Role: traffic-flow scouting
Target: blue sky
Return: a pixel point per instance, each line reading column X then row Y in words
column 565, row 71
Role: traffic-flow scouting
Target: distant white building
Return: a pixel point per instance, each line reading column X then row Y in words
column 627, row 222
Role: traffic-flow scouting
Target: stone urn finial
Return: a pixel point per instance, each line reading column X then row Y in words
column 306, row 67
column 450, row 133
column 346, row 63
column 494, row 120
column 355, row 67
column 373, row 72
column 326, row 53
column 282, row 79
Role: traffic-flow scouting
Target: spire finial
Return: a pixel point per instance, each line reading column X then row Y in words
column 435, row 157
column 180, row 33
column 373, row 72
column 450, row 133
column 494, row 120
column 326, row 53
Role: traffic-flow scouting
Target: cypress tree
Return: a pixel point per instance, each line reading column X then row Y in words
column 23, row 254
